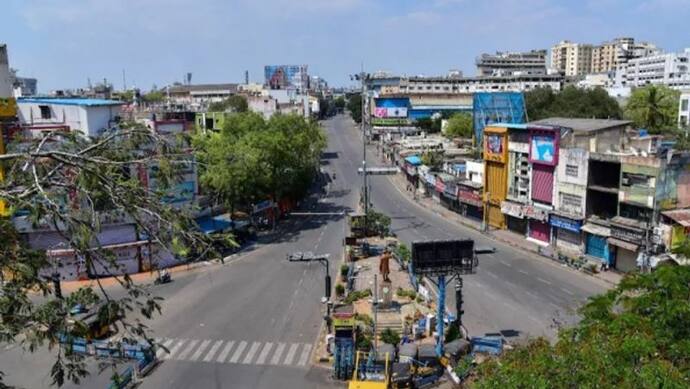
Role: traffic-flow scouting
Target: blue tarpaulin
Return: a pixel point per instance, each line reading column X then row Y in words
column 211, row 224
column 414, row 160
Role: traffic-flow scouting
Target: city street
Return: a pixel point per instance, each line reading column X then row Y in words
column 252, row 322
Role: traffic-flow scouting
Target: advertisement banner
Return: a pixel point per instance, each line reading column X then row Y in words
column 471, row 198
column 543, row 147
column 568, row 224
column 390, row 112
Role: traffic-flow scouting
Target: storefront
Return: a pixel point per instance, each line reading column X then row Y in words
column 496, row 174
column 410, row 169
column 470, row 199
column 628, row 236
column 596, row 243
column 515, row 217
column 567, row 233
column 543, row 155
column 539, row 228
column 449, row 195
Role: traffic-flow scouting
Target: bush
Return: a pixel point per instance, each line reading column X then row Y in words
column 390, row 336
column 344, row 270
column 403, row 252
column 339, row 290
column 364, row 318
column 406, row 293
column 357, row 295
column 452, row 333
column 363, row 342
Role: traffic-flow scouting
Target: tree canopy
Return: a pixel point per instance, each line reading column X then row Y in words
column 654, row 107
column 234, row 103
column 459, row 126
column 571, row 102
column 634, row 336
column 253, row 159
column 153, row 97
column 354, row 105
column 70, row 183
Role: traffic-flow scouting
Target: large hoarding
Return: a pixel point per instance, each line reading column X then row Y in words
column 286, row 76
column 497, row 107
column 443, row 257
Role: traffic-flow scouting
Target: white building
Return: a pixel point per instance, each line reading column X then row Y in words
column 90, row 116
column 463, row 85
column 684, row 110
column 670, row 69
column 201, row 95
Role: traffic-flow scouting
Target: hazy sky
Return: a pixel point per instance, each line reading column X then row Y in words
column 64, row 42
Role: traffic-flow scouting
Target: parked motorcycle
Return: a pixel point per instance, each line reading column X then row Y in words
column 163, row 278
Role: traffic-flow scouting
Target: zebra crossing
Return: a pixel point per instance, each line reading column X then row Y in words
column 244, row 352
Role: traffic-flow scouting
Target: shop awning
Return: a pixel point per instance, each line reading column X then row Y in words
column 623, row 244
column 680, row 216
column 414, row 160
column 212, row 224
column 596, row 229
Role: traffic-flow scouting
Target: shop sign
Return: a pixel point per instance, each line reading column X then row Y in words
column 627, row 235
column 430, row 179
column 451, row 191
column 471, row 198
column 266, row 204
column 536, row 213
column 440, row 186
column 512, row 209
column 567, row 224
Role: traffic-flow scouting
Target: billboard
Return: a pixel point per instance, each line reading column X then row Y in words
column 443, row 257
column 286, row 76
column 497, row 107
column 390, row 112
column 543, row 147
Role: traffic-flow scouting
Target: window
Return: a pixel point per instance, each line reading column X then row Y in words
column 570, row 200
column 571, row 170
column 684, row 105
column 45, row 111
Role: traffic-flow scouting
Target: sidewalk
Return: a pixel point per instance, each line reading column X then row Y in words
column 504, row 236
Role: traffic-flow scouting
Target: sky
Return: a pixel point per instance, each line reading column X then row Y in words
column 63, row 43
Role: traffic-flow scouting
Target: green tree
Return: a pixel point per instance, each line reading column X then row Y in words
column 653, row 107
column 634, row 336
column 153, row 97
column 390, row 336
column 354, row 105
column 70, row 181
column 433, row 159
column 339, row 102
column 571, row 102
column 459, row 126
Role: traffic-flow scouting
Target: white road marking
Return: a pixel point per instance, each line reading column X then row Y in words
column 522, row 271
column 201, row 349
column 492, row 275
column 238, row 352
column 554, row 305
column 175, row 349
column 531, row 294
column 544, row 281
column 212, row 351
column 290, row 354
column 277, row 354
column 506, row 263
column 306, row 351
column 264, row 353
column 161, row 350
column 567, row 291
column 251, row 353
column 190, row 347
column 225, row 352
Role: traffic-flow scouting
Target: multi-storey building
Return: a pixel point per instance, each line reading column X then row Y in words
column 512, row 63
column 684, row 110
column 609, row 56
column 670, row 69
column 572, row 59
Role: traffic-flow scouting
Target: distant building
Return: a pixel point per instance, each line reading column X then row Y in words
column 611, row 55
column 684, row 110
column 512, row 63
column 286, row 76
column 201, row 95
column 90, row 116
column 571, row 59
column 25, row 87
column 5, row 74
column 445, row 85
column 670, row 69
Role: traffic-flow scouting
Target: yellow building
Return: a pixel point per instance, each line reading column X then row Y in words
column 495, row 174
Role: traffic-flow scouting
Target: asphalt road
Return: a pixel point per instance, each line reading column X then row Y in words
column 514, row 293
column 252, row 322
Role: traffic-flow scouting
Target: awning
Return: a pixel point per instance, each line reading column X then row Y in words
column 623, row 244
column 211, row 224
column 596, row 229
column 414, row 160
column 680, row 216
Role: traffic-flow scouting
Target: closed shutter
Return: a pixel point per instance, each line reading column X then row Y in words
column 542, row 183
column 539, row 231
column 597, row 247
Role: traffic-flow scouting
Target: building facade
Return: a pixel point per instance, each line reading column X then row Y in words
column 670, row 69
column 512, row 63
column 684, row 110
column 89, row 116
column 571, row 59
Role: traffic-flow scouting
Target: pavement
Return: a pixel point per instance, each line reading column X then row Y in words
column 252, row 322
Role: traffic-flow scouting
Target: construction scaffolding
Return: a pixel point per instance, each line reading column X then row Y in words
column 497, row 107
